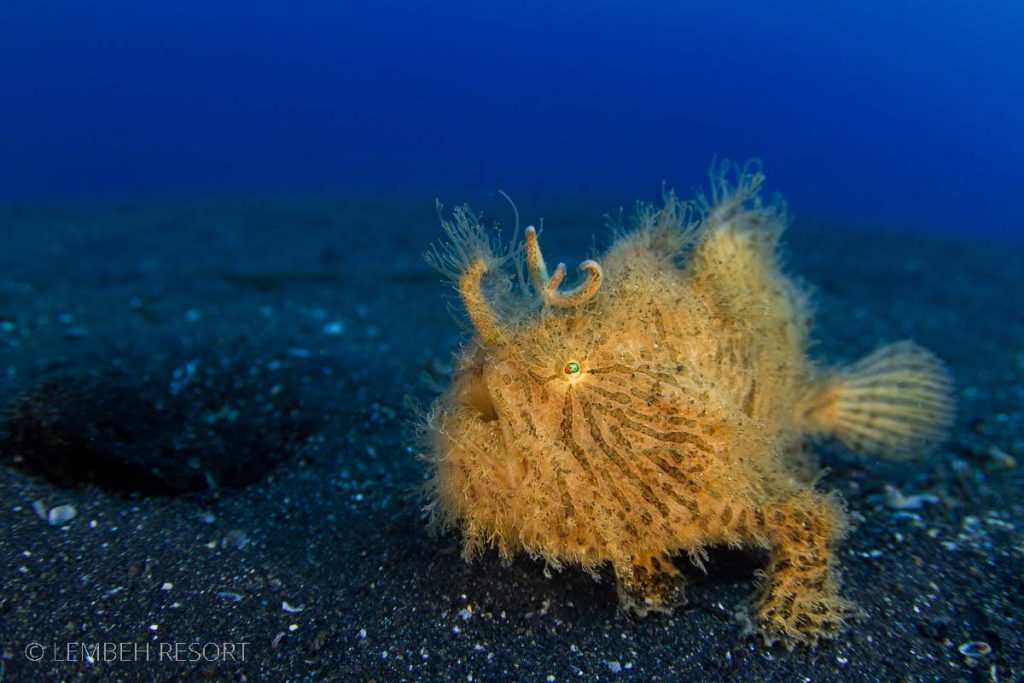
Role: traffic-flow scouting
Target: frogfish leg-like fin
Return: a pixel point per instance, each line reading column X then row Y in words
column 798, row 600
column 649, row 583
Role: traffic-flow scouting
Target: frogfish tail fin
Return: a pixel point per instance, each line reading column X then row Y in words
column 896, row 402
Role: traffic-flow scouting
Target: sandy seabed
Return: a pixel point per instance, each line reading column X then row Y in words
column 206, row 470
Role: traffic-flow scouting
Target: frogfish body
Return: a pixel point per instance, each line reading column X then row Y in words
column 662, row 406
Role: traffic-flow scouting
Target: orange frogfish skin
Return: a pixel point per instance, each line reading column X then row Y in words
column 661, row 407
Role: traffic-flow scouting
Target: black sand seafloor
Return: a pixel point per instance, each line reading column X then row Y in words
column 205, row 462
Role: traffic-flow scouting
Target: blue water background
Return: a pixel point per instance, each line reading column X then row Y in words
column 879, row 112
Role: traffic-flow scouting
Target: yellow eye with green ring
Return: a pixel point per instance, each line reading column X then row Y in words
column 572, row 367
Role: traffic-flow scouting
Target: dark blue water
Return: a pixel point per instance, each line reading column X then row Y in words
column 905, row 114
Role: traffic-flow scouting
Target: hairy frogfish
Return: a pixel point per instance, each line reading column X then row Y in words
column 662, row 406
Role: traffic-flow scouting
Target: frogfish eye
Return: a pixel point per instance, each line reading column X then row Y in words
column 572, row 367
